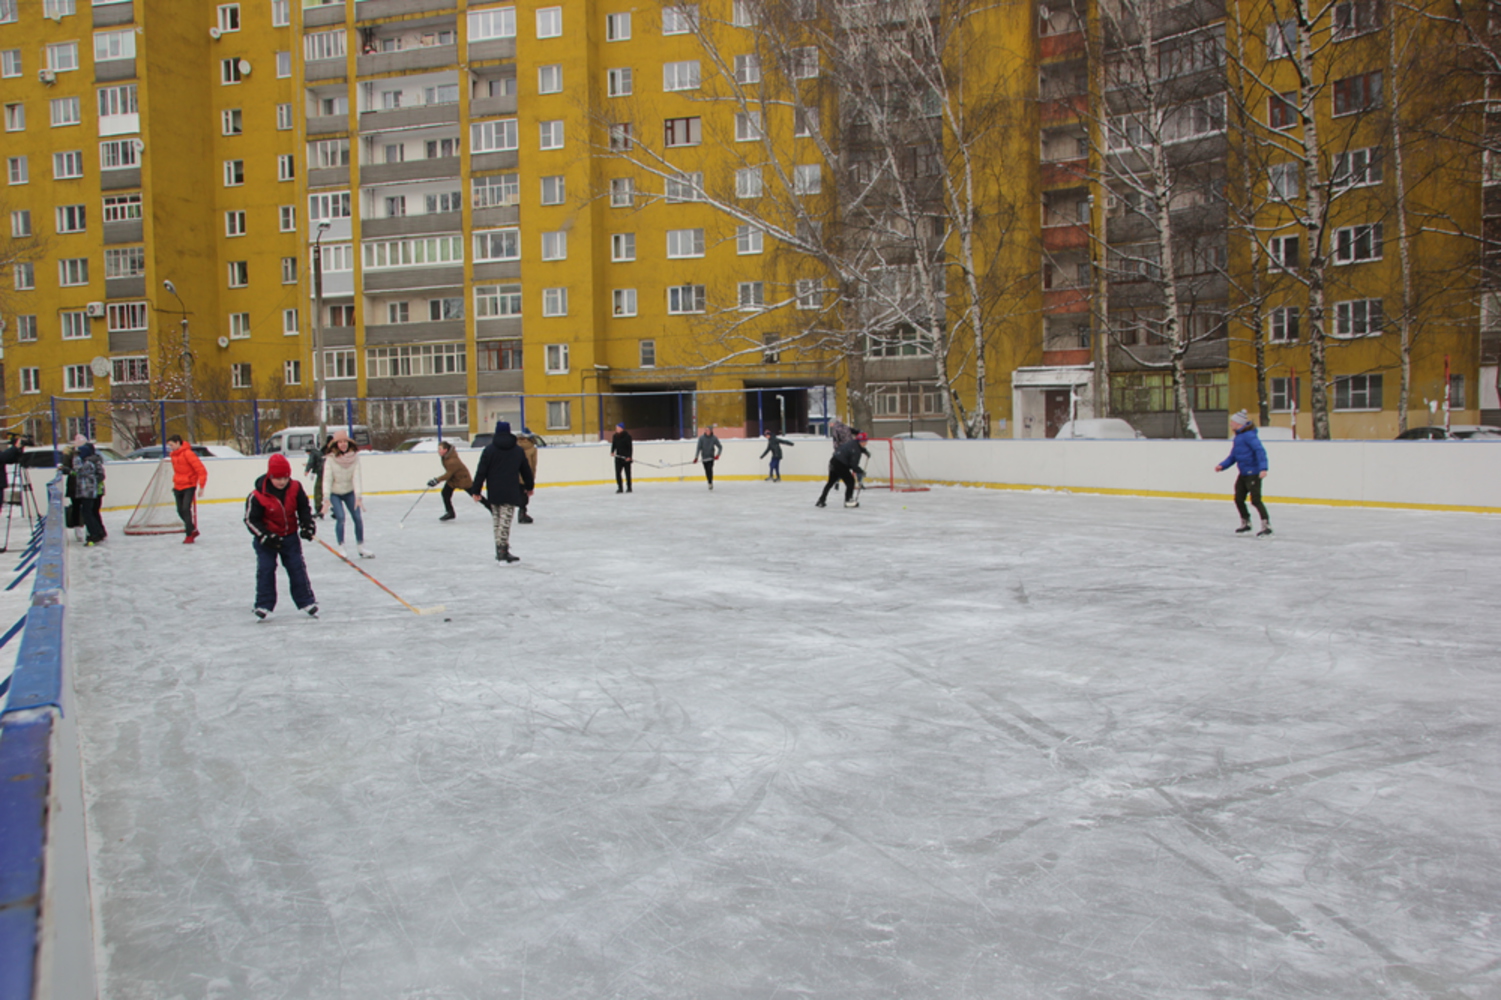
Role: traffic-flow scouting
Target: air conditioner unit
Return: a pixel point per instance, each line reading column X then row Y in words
column 47, row 76
column 244, row 67
column 215, row 32
column 94, row 309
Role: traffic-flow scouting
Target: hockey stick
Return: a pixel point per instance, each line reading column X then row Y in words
column 434, row 610
column 403, row 522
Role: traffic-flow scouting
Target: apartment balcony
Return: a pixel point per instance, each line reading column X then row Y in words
column 401, row 118
column 1062, row 301
column 1066, row 45
column 1074, row 237
column 428, row 57
column 414, row 279
column 128, row 341
column 1064, row 110
column 323, row 16
column 114, row 69
column 327, row 124
column 492, row 49
column 129, row 231
column 500, row 328
column 481, row 162
column 337, row 336
column 325, row 69
column 370, row 10
column 407, row 385
column 489, row 107
column 125, row 288
column 500, row 270
column 437, row 168
column 501, row 382
column 1063, row 173
column 1068, row 357
column 414, row 333
column 120, row 180
column 112, row 14
column 328, row 177
column 412, row 225
column 500, row 215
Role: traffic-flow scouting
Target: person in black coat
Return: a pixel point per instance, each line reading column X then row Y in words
column 843, row 467
column 504, row 469
column 10, row 456
column 620, row 447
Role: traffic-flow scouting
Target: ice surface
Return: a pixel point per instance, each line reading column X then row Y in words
column 956, row 744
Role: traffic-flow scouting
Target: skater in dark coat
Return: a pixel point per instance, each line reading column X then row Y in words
column 843, row 468
column 279, row 518
column 1248, row 455
column 621, row 448
column 10, row 456
column 774, row 449
column 504, row 469
column 455, row 477
column 89, row 468
column 708, row 449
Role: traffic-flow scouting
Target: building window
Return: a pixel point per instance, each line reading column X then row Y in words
column 283, row 116
column 747, row 240
column 111, row 45
column 119, row 109
column 1282, row 181
column 281, row 13
column 239, row 273
column 25, row 277
column 78, row 378
column 748, row 69
column 745, row 13
column 341, row 315
column 1357, row 168
column 620, row 136
column 398, row 313
column 10, row 61
column 123, row 317
column 683, row 299
column 130, row 371
column 803, row 63
column 25, row 329
column 1356, row 17
column 551, row 134
column 328, row 153
column 752, row 295
column 239, row 326
column 622, row 192
column 497, row 301
column 685, row 243
column 804, row 122
column 70, row 164
column 1357, row 392
column 62, row 57
column 17, row 169
column 558, row 415
column 1284, row 393
column 1281, row 39
column 748, row 126
column 1282, row 110
column 497, row 244
column 234, row 173
column 334, row 205
column 807, row 179
column 73, row 271
column 622, row 246
column 623, row 302
column 70, row 219
column 902, row 401
column 289, row 270
column 396, row 206
column 416, row 359
column 20, row 223
column 436, row 149
column 493, row 136
column 420, row 251
column 291, row 372
column 648, row 354
column 287, row 218
column 492, row 22
column 679, row 20
column 15, row 118
column 498, row 355
column 809, row 293
column 554, row 302
column 683, row 131
column 122, row 208
column 447, row 201
column 618, row 82
column 550, row 79
column 685, row 187
column 229, row 17
column 239, row 376
column 1357, row 93
column 117, row 154
column 1456, row 392
column 617, row 27
column 1283, row 251
column 496, row 190
column 1359, row 318
column 439, row 310
column 549, row 22
column 31, row 380
column 283, row 65
column 682, row 75
column 234, row 223
column 554, row 190
column 556, row 356
column 229, row 71
column 1283, row 325
column 339, row 364
column 323, row 45
column 555, row 245
column 75, row 326
column 1353, row 244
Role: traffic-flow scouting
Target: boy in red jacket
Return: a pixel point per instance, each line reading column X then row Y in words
column 277, row 512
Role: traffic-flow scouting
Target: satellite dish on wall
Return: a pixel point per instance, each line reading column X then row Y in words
column 245, row 67
column 223, row 341
column 100, row 366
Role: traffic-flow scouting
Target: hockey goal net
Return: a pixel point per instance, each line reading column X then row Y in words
column 888, row 468
column 156, row 514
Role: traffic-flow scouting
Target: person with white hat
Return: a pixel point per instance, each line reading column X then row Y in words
column 1248, row 455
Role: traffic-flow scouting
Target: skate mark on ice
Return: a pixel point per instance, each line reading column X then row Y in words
column 1052, row 750
column 1032, row 720
column 1210, row 832
column 1267, row 911
column 1435, row 986
column 1222, row 770
column 1020, row 591
column 994, row 839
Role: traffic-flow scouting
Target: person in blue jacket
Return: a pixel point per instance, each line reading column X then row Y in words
column 1247, row 454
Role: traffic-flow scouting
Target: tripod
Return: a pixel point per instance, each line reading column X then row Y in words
column 18, row 493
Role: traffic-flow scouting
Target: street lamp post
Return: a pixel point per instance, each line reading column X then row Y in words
column 319, row 384
column 187, row 362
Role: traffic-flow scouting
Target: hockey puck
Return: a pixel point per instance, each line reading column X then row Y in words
column 448, row 619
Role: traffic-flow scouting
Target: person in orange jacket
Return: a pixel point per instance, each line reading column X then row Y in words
column 188, row 479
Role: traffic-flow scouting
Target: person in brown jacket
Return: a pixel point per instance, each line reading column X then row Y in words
column 528, row 442
column 455, row 477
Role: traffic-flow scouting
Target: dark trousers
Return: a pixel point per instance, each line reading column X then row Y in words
column 1249, row 486
column 185, row 509
column 839, row 473
column 775, row 472
column 290, row 554
column 709, row 470
column 93, row 524
column 622, row 468
column 448, row 497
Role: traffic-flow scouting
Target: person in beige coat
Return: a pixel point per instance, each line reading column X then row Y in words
column 528, row 442
column 455, row 477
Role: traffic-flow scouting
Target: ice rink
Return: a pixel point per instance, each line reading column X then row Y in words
column 957, row 744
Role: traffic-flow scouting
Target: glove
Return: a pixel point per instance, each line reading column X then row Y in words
column 272, row 543
column 308, row 532
column 431, row 483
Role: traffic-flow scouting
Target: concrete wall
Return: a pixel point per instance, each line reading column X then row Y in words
column 1430, row 474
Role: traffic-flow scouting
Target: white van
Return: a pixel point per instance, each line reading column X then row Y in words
column 295, row 440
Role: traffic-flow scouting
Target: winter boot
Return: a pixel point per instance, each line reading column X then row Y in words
column 364, row 552
column 525, row 518
column 447, row 517
column 1266, row 529
column 503, row 554
column 1244, row 529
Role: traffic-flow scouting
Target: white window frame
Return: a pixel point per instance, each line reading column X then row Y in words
column 497, row 244
column 78, row 378
column 749, row 240
column 622, row 247
column 555, row 245
column 550, row 78
column 291, row 372
column 618, row 27
column 239, row 326
column 808, row 294
column 623, row 302
column 807, row 179
column 234, row 173
column 748, row 69
column 286, row 216
column 680, row 20
column 492, row 22
column 751, row 296
column 686, row 300
column 1356, row 318
column 681, row 75
column 550, row 134
column 1283, row 325
column 15, row 117
column 126, row 317
column 1346, row 242
column 31, row 380
column 684, row 188
column 685, row 243
column 495, row 136
column 71, row 219
column 74, row 325
column 73, row 272
column 10, row 63
column 549, row 22
column 229, row 17
column 239, row 273
column 559, row 414
column 284, row 117
column 748, row 127
column 131, row 370
column 122, row 207
column 241, row 375
column 748, row 182
column 618, row 82
column 622, row 192
column 554, row 302
column 234, row 222
column 62, row 57
column 555, row 359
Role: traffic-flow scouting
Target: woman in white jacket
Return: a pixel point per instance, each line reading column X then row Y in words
column 341, row 476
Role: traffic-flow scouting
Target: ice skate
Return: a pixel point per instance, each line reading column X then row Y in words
column 820, row 504
column 1244, row 529
column 525, row 518
column 1266, row 529
column 447, row 517
column 503, row 554
column 852, row 503
column 262, row 613
column 364, row 552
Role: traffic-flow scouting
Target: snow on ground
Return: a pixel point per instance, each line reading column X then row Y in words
column 956, row 744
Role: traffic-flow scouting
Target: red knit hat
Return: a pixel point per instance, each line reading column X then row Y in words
column 278, row 467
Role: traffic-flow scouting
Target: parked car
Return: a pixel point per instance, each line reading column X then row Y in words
column 154, row 451
column 1098, row 428
column 294, row 440
column 1456, row 432
column 427, row 444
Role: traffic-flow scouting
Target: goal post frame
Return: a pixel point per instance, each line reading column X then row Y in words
column 897, row 475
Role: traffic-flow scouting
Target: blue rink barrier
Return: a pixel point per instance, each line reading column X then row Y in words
column 46, row 928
